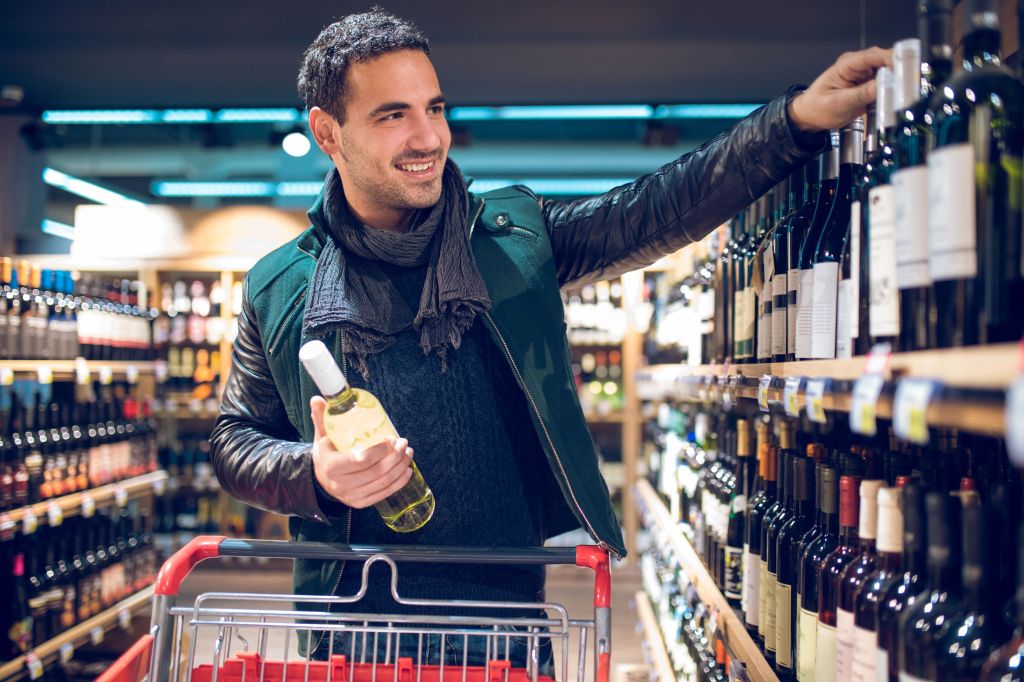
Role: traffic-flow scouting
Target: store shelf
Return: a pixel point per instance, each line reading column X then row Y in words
column 971, row 383
column 655, row 640
column 49, row 651
column 65, row 369
column 617, row 417
column 103, row 496
column 729, row 624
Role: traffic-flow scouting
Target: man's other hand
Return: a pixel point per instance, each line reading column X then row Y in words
column 358, row 479
column 842, row 93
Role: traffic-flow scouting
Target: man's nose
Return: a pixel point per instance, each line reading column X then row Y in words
column 424, row 137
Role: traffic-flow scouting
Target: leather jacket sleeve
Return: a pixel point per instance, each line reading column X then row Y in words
column 253, row 448
column 634, row 225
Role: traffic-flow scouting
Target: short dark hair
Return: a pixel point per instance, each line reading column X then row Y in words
column 357, row 37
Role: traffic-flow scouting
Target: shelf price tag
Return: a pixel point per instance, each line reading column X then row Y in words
column 67, row 652
column 34, row 665
column 8, row 528
column 132, row 373
column 6, row 376
column 96, row 635
column 106, row 375
column 791, row 396
column 82, row 375
column 878, row 359
column 120, row 496
column 910, row 409
column 29, row 522
column 864, row 404
column 727, row 392
column 124, row 618
column 54, row 514
column 762, row 392
column 816, row 400
column 88, row 506
column 45, row 375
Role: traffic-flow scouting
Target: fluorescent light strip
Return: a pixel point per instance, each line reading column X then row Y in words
column 187, row 116
column 150, row 116
column 256, row 189
column 174, row 188
column 551, row 113
column 100, row 116
column 87, row 190
column 258, row 115
column 58, row 229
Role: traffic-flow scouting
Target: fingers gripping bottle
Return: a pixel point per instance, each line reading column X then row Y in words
column 354, row 420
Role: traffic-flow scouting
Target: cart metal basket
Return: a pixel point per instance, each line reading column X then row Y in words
column 243, row 627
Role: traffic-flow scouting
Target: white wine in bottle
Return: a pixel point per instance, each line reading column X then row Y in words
column 355, row 420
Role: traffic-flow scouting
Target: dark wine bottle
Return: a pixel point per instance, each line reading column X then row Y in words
column 755, row 522
column 734, row 550
column 751, row 598
column 763, row 260
column 799, row 223
column 813, row 556
column 737, row 248
column 780, row 249
column 787, row 608
column 974, row 172
column 884, row 320
column 775, row 522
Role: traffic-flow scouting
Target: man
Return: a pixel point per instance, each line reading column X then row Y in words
column 446, row 306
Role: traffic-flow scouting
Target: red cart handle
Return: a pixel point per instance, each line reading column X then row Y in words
column 177, row 568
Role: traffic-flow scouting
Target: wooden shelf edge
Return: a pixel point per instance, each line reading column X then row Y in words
column 728, row 622
column 654, row 637
column 78, row 634
column 71, row 505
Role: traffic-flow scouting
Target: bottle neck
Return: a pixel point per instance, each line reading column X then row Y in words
column 830, row 522
column 803, row 508
column 849, row 537
column 890, row 561
column 341, row 401
column 944, row 576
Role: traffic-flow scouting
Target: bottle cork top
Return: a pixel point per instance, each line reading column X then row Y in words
column 321, row 366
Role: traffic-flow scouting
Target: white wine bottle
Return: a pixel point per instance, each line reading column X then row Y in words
column 355, row 420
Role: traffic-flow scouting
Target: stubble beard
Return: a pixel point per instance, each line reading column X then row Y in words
column 381, row 186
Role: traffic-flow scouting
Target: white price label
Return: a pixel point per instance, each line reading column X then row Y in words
column 88, row 506
column 878, row 359
column 1014, row 421
column 762, row 392
column 67, row 652
column 124, row 618
column 34, row 665
column 29, row 522
column 106, row 375
column 96, row 635
column 82, row 374
column 727, row 392
column 120, row 496
column 54, row 514
column 6, row 376
column 132, row 373
column 816, row 400
column 44, row 375
column 864, row 404
column 791, row 396
column 910, row 409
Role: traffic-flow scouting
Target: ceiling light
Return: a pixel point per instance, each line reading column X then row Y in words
column 87, row 190
column 295, row 144
column 58, row 229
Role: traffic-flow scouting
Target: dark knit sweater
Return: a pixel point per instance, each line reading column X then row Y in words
column 477, row 449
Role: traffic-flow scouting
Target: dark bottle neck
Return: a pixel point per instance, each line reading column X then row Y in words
column 891, row 562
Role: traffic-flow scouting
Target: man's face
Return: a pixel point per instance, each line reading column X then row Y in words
column 395, row 139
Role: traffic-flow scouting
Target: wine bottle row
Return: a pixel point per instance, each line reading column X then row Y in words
column 50, row 448
column 62, row 576
column 907, row 230
column 852, row 558
column 47, row 315
column 193, row 313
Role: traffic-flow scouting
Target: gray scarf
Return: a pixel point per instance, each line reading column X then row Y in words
column 355, row 297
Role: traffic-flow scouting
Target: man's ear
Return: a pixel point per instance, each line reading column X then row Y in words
column 326, row 131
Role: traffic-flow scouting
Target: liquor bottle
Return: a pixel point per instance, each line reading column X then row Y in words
column 890, row 549
column 811, row 560
column 799, row 223
column 780, row 249
column 355, row 420
column 775, row 522
column 854, row 576
column 808, row 249
column 755, row 228
column 766, row 619
column 766, row 265
column 974, row 214
column 735, row 544
column 765, row 498
column 830, row 574
column 830, row 243
column 922, row 621
column 1006, row 664
column 739, row 287
column 978, row 628
column 787, row 607
column 855, row 270
column 17, row 620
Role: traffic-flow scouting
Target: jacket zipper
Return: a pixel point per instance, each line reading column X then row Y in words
column 480, row 210
column 554, row 450
column 284, row 325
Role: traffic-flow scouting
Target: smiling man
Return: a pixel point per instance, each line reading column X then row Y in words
column 446, row 306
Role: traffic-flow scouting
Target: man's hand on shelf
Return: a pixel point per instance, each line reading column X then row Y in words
column 841, row 93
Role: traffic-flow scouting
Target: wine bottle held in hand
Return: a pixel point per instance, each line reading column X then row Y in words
column 355, row 420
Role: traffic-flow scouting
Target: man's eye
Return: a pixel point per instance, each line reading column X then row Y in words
column 439, row 109
column 393, row 116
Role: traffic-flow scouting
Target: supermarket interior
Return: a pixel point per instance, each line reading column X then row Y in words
column 340, row 341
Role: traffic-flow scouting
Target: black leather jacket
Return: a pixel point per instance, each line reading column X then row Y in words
column 255, row 449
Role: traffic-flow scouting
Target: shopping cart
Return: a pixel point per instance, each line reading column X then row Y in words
column 373, row 647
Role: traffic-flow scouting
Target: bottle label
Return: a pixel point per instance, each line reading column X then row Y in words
column 884, row 318
column 910, row 191
column 779, row 323
column 737, row 342
column 804, row 316
column 764, row 328
column 845, row 632
column 783, row 625
column 825, row 652
column 847, row 310
column 806, row 645
column 770, row 610
column 733, row 573
column 951, row 216
column 865, row 646
column 793, row 286
column 823, row 321
column 762, row 607
column 855, row 221
column 752, row 587
column 881, row 665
